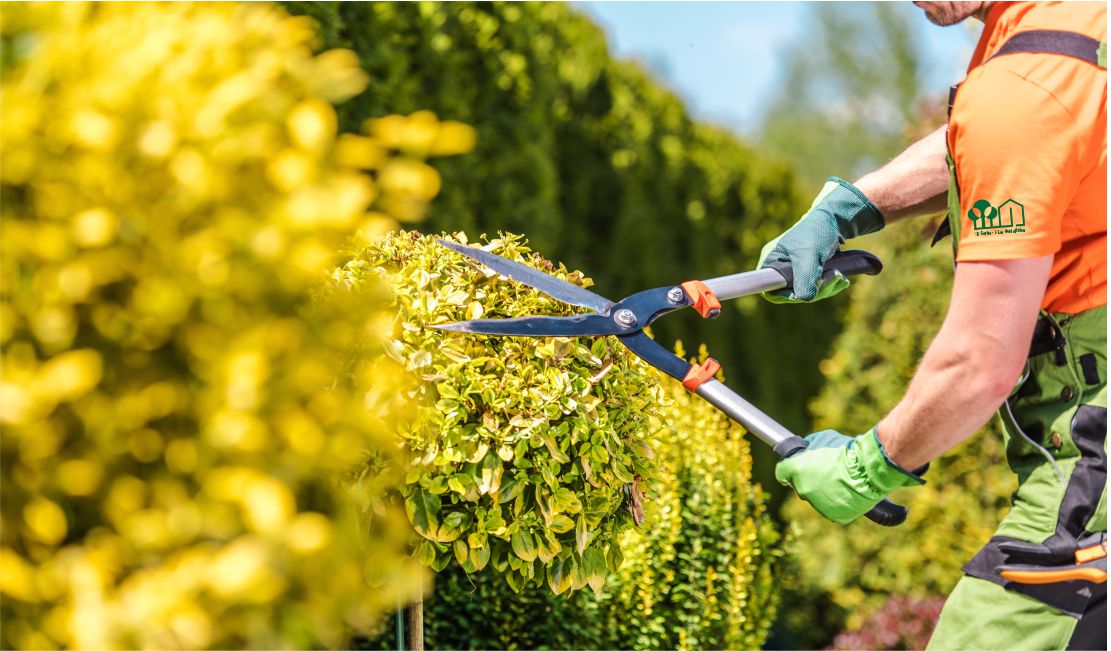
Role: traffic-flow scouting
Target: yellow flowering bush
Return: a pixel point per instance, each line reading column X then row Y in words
column 181, row 466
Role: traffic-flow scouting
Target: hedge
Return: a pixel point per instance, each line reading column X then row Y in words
column 524, row 451
column 704, row 571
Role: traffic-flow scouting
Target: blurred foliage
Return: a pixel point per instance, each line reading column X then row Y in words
column 597, row 163
column 849, row 88
column 525, row 449
column 703, row 572
column 901, row 623
column 172, row 192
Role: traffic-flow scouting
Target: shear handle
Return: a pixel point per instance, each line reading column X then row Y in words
column 850, row 262
column 778, row 275
column 1092, row 571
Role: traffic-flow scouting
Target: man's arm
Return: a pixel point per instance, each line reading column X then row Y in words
column 973, row 362
column 968, row 371
column 914, row 183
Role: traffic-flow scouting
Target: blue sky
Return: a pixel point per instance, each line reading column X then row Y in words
column 722, row 57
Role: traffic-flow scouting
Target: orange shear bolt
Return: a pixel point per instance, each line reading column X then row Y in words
column 702, row 299
column 699, row 374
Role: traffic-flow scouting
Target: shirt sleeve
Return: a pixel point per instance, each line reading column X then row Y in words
column 1016, row 150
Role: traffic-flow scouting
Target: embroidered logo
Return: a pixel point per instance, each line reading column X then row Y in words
column 1009, row 217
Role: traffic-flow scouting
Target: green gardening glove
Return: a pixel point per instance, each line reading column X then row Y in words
column 838, row 213
column 842, row 477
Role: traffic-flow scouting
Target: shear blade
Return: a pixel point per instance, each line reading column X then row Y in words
column 558, row 289
column 539, row 326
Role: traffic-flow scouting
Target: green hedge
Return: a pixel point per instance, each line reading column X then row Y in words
column 704, row 571
column 595, row 162
column 523, row 449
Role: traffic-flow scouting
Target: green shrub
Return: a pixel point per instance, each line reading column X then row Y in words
column 703, row 572
column 525, row 448
column 172, row 191
column 890, row 322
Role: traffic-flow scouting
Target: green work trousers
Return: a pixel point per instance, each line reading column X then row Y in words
column 1061, row 410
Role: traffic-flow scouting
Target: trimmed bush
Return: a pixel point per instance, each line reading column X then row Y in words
column 526, row 450
column 172, row 193
column 703, row 572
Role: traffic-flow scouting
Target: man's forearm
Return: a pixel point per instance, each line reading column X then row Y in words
column 973, row 362
column 914, row 183
column 952, row 395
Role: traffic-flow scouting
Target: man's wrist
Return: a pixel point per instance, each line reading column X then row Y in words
column 855, row 213
column 882, row 472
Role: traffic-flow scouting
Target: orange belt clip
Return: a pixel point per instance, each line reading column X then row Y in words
column 1091, row 553
column 698, row 375
column 702, row 299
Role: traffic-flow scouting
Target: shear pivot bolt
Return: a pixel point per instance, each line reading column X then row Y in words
column 626, row 318
column 675, row 295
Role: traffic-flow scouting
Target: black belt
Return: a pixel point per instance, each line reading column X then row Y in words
column 1048, row 337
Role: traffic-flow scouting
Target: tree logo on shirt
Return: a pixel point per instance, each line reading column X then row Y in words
column 1009, row 217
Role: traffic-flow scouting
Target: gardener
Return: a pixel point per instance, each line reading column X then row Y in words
column 1023, row 160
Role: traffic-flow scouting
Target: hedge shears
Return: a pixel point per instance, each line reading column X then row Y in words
column 627, row 318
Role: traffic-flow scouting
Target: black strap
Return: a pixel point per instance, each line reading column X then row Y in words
column 1052, row 41
column 1048, row 336
column 944, row 230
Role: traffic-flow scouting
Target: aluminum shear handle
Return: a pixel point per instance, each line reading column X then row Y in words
column 627, row 318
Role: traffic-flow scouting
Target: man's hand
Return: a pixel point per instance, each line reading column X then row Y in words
column 842, row 477
column 838, row 213
column 914, row 183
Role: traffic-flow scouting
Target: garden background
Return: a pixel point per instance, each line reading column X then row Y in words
column 593, row 159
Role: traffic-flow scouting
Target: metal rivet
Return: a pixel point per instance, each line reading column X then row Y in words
column 713, row 314
column 626, row 318
column 675, row 295
column 1066, row 394
column 1055, row 439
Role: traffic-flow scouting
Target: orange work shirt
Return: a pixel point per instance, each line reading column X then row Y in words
column 1028, row 134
